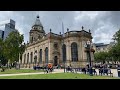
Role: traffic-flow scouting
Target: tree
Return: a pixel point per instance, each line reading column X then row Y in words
column 115, row 50
column 3, row 60
column 116, row 37
column 13, row 46
column 101, row 56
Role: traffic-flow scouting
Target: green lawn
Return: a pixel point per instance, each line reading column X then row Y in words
column 14, row 71
column 58, row 76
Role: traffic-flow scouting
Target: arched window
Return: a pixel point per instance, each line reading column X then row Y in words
column 24, row 58
column 64, row 52
column 40, row 55
column 31, row 56
column 46, row 55
column 27, row 57
column 35, row 57
column 74, row 51
column 31, row 39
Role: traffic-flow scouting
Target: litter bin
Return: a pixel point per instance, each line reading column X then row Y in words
column 90, row 71
column 118, row 70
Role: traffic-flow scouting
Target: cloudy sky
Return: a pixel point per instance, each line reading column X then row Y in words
column 103, row 24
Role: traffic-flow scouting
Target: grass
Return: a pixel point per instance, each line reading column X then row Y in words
column 14, row 71
column 58, row 76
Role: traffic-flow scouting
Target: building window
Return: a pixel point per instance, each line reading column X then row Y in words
column 46, row 55
column 31, row 39
column 74, row 51
column 64, row 52
column 56, row 45
column 40, row 55
column 24, row 58
column 31, row 56
column 35, row 57
column 27, row 58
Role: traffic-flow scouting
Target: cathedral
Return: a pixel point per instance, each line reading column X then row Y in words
column 58, row 49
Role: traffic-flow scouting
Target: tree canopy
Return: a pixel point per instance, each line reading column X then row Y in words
column 12, row 46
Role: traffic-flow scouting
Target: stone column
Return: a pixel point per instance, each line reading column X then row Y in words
column 26, row 59
column 29, row 57
column 43, row 55
column 79, row 53
column 68, row 52
column 38, row 56
column 84, row 55
column 49, row 51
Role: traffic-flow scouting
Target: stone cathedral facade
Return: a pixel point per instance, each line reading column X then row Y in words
column 54, row 48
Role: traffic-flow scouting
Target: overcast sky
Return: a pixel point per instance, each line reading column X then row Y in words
column 103, row 24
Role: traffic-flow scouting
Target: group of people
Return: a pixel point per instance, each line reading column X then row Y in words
column 47, row 68
column 103, row 69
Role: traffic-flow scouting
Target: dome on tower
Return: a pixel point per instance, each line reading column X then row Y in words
column 37, row 22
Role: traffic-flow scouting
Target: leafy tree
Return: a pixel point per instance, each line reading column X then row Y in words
column 115, row 50
column 101, row 56
column 13, row 46
column 116, row 37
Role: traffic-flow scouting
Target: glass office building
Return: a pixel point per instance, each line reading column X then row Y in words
column 6, row 27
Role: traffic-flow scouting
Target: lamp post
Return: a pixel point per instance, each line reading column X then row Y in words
column 89, row 50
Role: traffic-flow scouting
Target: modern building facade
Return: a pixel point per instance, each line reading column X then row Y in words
column 6, row 27
column 54, row 48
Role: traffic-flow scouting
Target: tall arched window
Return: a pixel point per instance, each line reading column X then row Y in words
column 35, row 57
column 31, row 39
column 64, row 52
column 27, row 57
column 24, row 58
column 46, row 55
column 31, row 56
column 40, row 55
column 74, row 51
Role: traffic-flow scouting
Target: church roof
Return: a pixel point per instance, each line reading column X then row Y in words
column 38, row 22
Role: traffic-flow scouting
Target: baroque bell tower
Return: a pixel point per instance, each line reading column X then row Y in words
column 37, row 31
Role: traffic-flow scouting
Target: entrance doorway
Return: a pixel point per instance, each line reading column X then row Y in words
column 55, row 61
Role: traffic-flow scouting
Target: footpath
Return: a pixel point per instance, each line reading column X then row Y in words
column 55, row 71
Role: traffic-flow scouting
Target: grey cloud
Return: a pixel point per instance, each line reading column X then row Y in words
column 106, row 22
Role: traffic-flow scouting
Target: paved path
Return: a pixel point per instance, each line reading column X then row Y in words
column 55, row 71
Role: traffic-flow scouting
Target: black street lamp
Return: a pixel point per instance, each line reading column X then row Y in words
column 88, row 49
